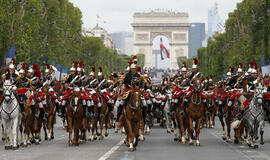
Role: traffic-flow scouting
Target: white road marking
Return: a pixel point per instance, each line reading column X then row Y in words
column 110, row 152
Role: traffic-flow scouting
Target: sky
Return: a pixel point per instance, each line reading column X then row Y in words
column 117, row 15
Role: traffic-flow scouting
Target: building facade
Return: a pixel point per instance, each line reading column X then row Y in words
column 196, row 38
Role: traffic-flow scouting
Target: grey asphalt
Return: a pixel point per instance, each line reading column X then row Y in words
column 158, row 146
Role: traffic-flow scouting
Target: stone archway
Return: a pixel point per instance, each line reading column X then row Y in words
column 173, row 25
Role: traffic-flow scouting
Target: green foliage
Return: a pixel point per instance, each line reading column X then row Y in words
column 242, row 41
column 51, row 30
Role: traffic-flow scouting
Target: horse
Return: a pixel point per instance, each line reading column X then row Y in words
column 212, row 109
column 133, row 116
column 48, row 125
column 103, row 118
column 76, row 121
column 195, row 111
column 92, row 124
column 10, row 115
column 253, row 117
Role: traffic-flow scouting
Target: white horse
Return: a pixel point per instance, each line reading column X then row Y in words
column 10, row 115
column 169, row 125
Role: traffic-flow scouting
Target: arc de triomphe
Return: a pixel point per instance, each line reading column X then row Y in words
column 173, row 25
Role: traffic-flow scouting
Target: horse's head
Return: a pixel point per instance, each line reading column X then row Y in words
column 75, row 99
column 135, row 99
column 197, row 84
column 258, row 94
column 8, row 90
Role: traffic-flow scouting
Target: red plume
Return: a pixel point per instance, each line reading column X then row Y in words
column 93, row 69
column 48, row 66
column 23, row 66
column 139, row 69
column 241, row 65
column 255, row 65
column 130, row 63
column 81, row 64
column 37, row 72
column 134, row 57
column 100, row 69
column 232, row 70
column 75, row 64
column 185, row 65
column 195, row 60
column 13, row 60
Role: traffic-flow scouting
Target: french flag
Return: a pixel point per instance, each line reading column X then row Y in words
column 163, row 50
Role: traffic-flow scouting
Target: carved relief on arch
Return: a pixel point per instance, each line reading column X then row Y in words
column 179, row 52
column 165, row 34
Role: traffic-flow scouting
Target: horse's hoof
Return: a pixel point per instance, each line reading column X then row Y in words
column 3, row 139
column 175, row 139
column 52, row 137
column 95, row 138
column 37, row 143
column 131, row 149
column 184, row 142
column 24, row 145
column 46, row 138
column 236, row 141
column 191, row 143
column 116, row 131
column 15, row 147
column 256, row 146
column 262, row 143
column 8, row 147
column 198, row 144
column 224, row 138
column 106, row 134
column 228, row 140
column 168, row 131
column 100, row 138
column 76, row 144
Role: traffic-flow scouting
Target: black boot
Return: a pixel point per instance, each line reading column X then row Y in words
column 33, row 111
column 119, row 112
column 84, row 111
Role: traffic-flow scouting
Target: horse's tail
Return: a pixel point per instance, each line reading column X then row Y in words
column 236, row 124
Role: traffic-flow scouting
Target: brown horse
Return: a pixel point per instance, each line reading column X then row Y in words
column 50, row 110
column 92, row 125
column 103, row 118
column 212, row 109
column 133, row 117
column 182, row 121
column 76, row 121
column 27, row 126
column 195, row 111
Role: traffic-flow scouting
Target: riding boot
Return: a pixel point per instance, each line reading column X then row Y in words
column 206, row 112
column 42, row 114
column 22, row 108
column 84, row 111
column 119, row 112
column 33, row 111
column 90, row 110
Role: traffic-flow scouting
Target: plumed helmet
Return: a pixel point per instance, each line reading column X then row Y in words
column 100, row 71
column 195, row 63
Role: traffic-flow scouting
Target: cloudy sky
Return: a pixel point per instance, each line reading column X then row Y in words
column 117, row 14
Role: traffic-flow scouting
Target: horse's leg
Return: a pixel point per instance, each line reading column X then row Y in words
column 228, row 123
column 107, row 124
column 176, row 134
column 130, row 135
column 198, row 124
column 142, row 125
column 15, row 128
column 101, row 124
column 223, row 127
column 262, row 132
column 137, row 133
column 190, row 130
column 76, row 133
column 212, row 120
column 69, row 127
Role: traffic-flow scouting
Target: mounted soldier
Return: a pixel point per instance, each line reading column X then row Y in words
column 11, row 74
column 128, row 78
column 67, row 91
